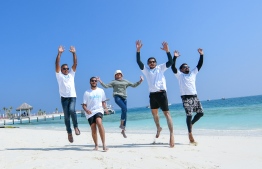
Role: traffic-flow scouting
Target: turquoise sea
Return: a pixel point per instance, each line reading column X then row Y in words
column 229, row 116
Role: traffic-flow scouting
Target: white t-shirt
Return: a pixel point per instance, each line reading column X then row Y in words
column 187, row 82
column 93, row 100
column 155, row 77
column 66, row 84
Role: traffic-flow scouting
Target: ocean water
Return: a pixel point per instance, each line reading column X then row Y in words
column 229, row 116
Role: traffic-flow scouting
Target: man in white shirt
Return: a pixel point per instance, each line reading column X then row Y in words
column 66, row 84
column 187, row 85
column 157, row 87
column 94, row 103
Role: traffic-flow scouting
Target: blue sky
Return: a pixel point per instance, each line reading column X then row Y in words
column 104, row 34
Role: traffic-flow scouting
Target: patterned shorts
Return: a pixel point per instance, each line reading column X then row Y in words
column 191, row 104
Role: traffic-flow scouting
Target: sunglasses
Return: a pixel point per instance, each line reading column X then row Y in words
column 93, row 80
column 65, row 68
column 151, row 62
column 184, row 67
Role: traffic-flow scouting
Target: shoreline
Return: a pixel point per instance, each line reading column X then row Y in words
column 29, row 148
column 130, row 130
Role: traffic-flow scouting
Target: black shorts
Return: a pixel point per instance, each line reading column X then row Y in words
column 92, row 119
column 159, row 99
column 191, row 104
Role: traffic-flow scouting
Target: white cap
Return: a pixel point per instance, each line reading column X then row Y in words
column 118, row 71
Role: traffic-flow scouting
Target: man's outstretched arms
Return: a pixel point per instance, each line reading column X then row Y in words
column 57, row 61
column 166, row 48
column 138, row 47
column 201, row 58
column 176, row 55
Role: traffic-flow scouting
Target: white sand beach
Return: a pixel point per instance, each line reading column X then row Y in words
column 37, row 149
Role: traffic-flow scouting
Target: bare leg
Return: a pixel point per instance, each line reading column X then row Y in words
column 94, row 135
column 190, row 135
column 156, row 119
column 101, row 132
column 191, row 138
column 171, row 130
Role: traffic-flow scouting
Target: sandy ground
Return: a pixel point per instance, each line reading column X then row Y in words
column 36, row 149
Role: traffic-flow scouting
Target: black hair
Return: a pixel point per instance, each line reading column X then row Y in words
column 182, row 66
column 92, row 78
column 150, row 59
column 63, row 65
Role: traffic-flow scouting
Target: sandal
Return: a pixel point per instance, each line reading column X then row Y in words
column 124, row 134
column 77, row 131
column 70, row 138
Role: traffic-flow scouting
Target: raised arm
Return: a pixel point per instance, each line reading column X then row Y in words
column 141, row 79
column 201, row 58
column 166, row 48
column 137, row 83
column 176, row 55
column 73, row 51
column 57, row 61
column 102, row 84
column 138, row 47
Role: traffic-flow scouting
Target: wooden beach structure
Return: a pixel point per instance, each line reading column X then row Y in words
column 25, row 107
column 27, row 111
column 33, row 118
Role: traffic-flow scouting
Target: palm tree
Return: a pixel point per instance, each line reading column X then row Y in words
column 39, row 112
column 4, row 108
column 10, row 111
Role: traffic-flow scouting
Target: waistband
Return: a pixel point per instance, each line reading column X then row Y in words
column 188, row 96
column 67, row 97
column 160, row 91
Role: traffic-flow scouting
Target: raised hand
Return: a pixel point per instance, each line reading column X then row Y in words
column 138, row 45
column 141, row 78
column 61, row 49
column 176, row 53
column 98, row 79
column 200, row 51
column 72, row 49
column 165, row 46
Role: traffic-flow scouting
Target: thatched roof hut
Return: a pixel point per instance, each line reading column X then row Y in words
column 24, row 107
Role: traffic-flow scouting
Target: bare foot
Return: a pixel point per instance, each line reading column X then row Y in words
column 191, row 138
column 105, row 148
column 96, row 148
column 124, row 134
column 172, row 141
column 158, row 132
